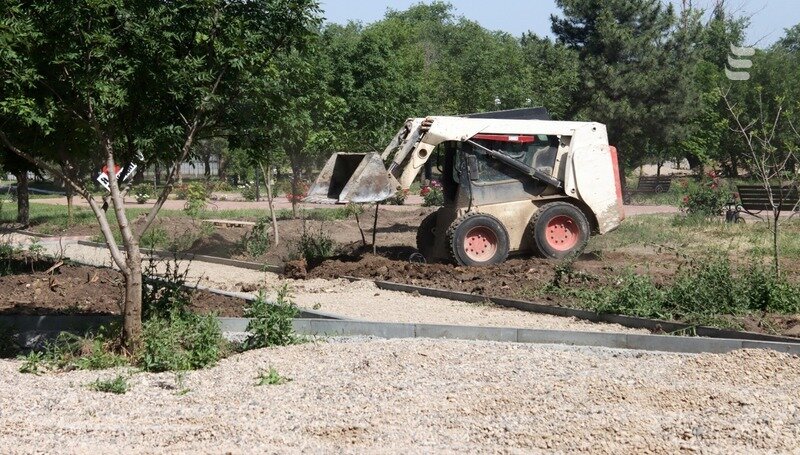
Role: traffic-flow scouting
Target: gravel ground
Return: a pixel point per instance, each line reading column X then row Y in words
column 357, row 300
column 419, row 396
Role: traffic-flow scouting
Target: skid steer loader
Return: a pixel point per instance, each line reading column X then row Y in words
column 513, row 182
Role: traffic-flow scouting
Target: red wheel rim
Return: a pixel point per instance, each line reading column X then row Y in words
column 480, row 244
column 562, row 233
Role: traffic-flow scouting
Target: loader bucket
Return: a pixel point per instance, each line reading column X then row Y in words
column 353, row 177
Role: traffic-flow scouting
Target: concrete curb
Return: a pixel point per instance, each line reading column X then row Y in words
column 199, row 257
column 663, row 343
column 33, row 326
column 591, row 316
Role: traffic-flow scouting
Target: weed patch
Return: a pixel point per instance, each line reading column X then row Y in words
column 271, row 377
column 703, row 293
column 257, row 242
column 118, row 385
column 271, row 323
column 176, row 343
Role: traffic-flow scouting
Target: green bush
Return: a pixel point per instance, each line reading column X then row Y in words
column 181, row 191
column 180, row 343
column 432, row 195
column 142, row 192
column 702, row 293
column 257, row 242
column 635, row 295
column 270, row 323
column 167, row 295
column 706, row 198
column 154, row 238
column 196, row 198
column 315, row 247
column 248, row 192
column 398, row 198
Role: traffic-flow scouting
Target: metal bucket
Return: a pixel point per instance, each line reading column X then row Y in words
column 353, row 177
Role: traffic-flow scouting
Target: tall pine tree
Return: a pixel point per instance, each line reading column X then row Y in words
column 635, row 70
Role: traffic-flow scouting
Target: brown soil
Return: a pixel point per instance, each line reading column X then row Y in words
column 73, row 289
column 516, row 278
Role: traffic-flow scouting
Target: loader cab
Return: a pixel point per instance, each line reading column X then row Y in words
column 472, row 175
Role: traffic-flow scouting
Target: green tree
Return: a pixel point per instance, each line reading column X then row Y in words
column 143, row 77
column 636, row 61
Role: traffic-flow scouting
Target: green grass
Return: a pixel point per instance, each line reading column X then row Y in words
column 118, row 385
column 51, row 219
column 698, row 237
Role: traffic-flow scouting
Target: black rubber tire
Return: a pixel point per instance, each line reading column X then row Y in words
column 458, row 230
column 542, row 217
column 426, row 236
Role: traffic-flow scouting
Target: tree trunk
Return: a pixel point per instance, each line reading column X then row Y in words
column 734, row 166
column 295, row 188
column 23, row 201
column 207, row 166
column 270, row 198
column 70, row 212
column 775, row 252
column 222, row 170
column 178, row 174
column 157, row 171
column 132, row 325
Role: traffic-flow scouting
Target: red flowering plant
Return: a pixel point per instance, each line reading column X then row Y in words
column 299, row 195
column 399, row 198
column 705, row 198
column 432, row 195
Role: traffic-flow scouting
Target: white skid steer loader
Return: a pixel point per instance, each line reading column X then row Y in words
column 512, row 182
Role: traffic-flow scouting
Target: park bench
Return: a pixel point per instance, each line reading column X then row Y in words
column 754, row 199
column 649, row 184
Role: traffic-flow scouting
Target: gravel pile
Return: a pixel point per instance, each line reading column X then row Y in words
column 420, row 396
column 356, row 300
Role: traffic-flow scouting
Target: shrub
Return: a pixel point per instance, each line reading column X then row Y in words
column 706, row 198
column 398, row 198
column 635, row 295
column 154, row 237
column 118, row 385
column 180, row 343
column 31, row 363
column 257, row 242
column 94, row 351
column 271, row 323
column 181, row 191
column 315, row 247
column 432, row 195
column 196, row 198
column 142, row 193
column 299, row 194
column 167, row 295
column 248, row 192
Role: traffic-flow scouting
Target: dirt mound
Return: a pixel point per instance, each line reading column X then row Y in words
column 514, row 278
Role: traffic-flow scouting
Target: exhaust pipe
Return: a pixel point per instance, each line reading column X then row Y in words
column 353, row 177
